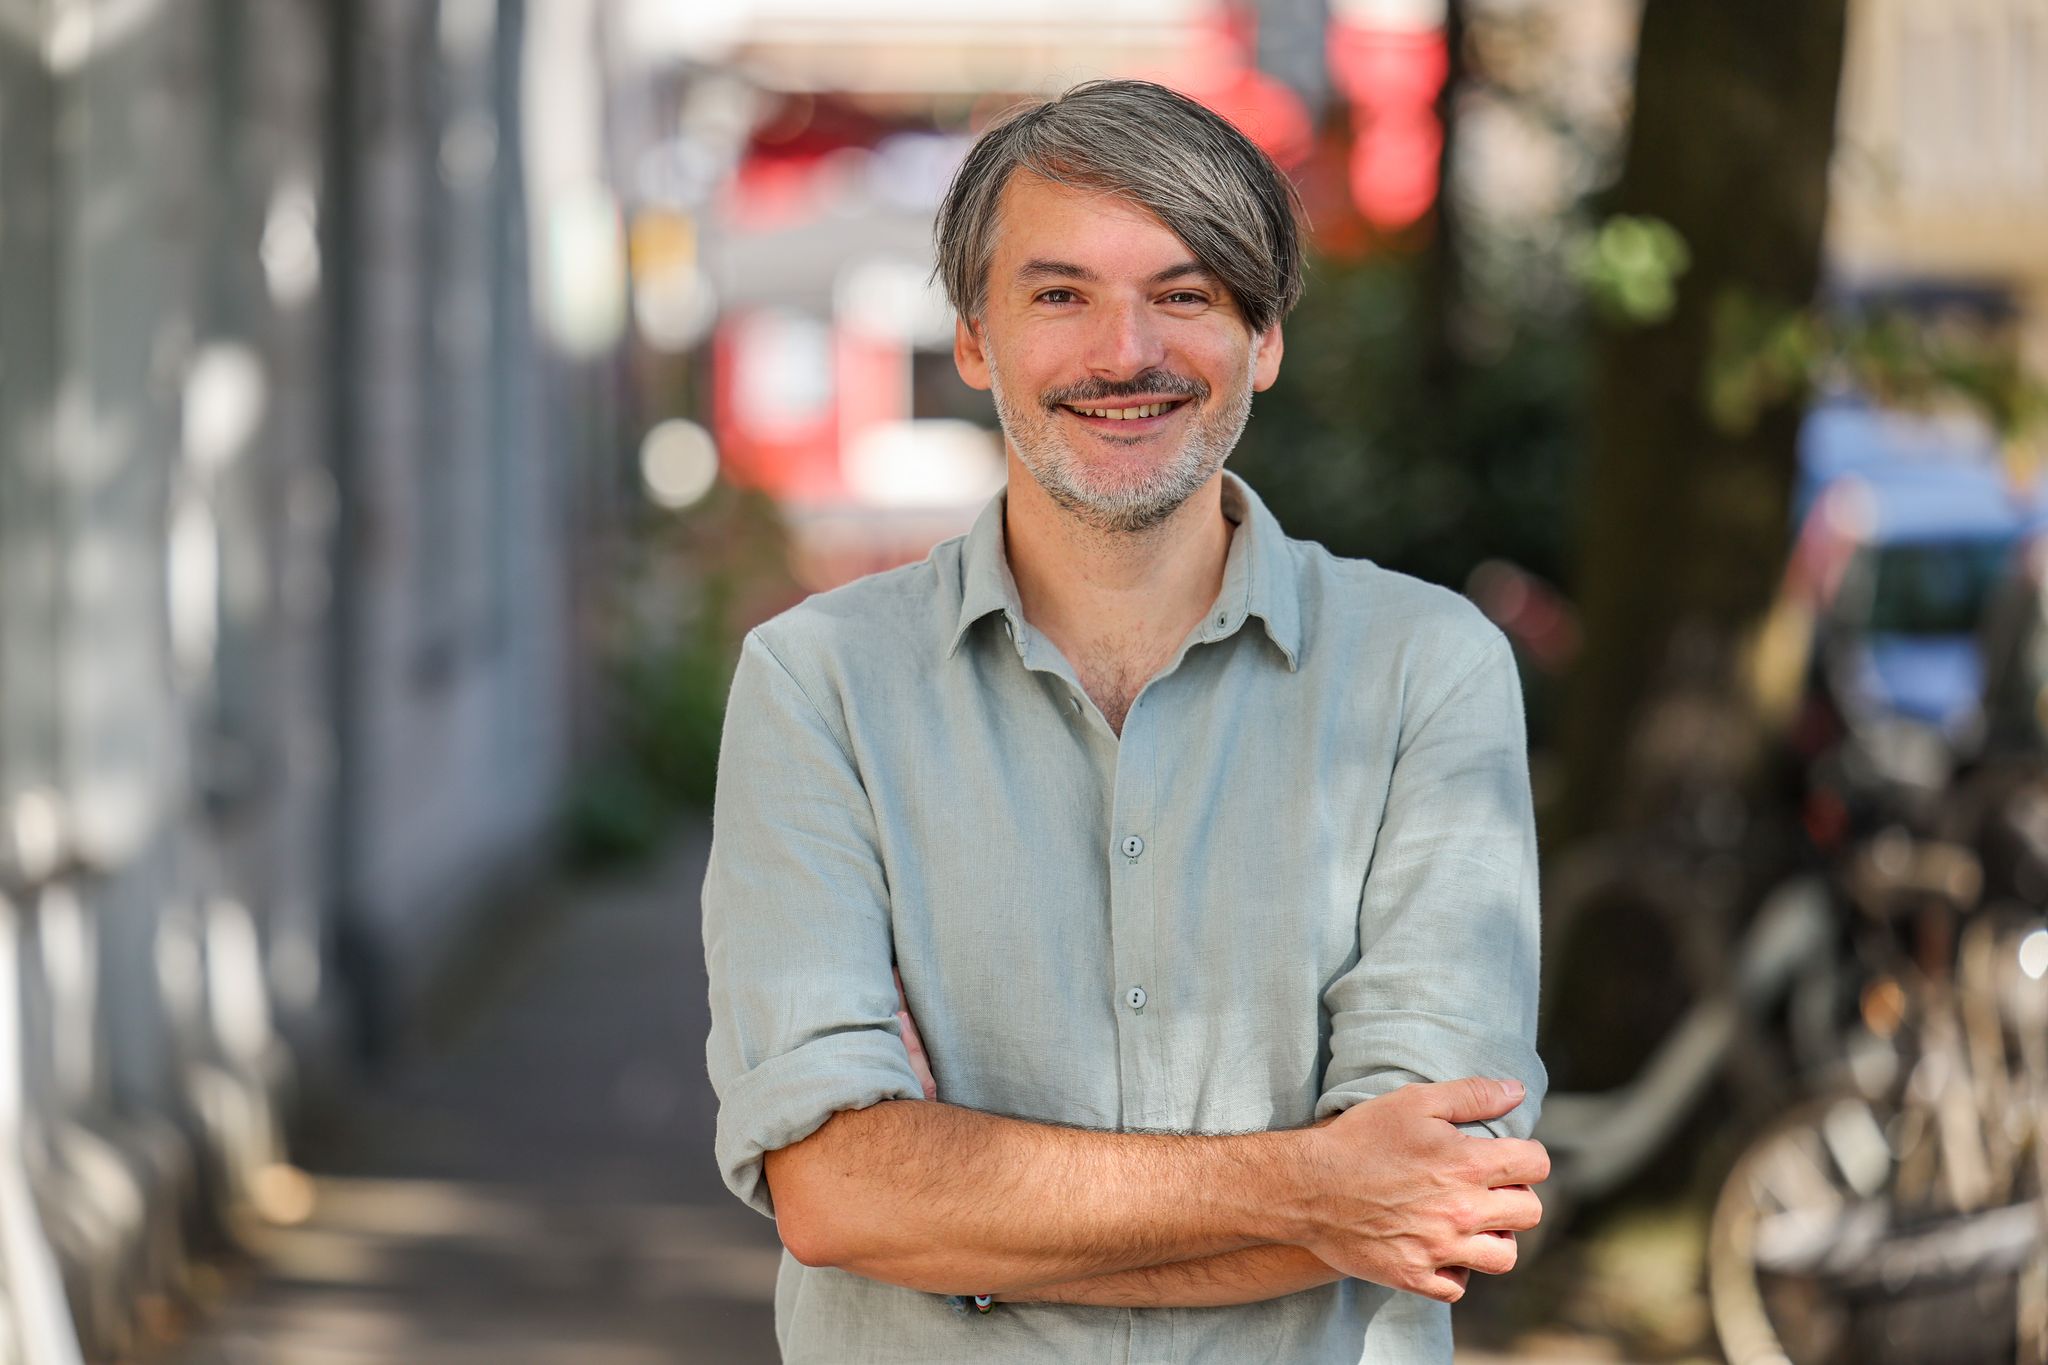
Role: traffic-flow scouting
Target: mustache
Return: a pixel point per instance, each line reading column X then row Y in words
column 1148, row 383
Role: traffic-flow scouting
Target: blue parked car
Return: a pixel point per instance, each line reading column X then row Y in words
column 1913, row 523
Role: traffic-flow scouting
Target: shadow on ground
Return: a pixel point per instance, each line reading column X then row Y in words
column 533, row 1184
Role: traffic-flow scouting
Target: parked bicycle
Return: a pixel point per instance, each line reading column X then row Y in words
column 1900, row 1213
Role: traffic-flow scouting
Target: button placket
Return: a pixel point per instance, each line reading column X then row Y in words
column 1133, row 915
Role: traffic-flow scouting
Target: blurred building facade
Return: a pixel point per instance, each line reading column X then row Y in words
column 291, row 540
column 1941, row 169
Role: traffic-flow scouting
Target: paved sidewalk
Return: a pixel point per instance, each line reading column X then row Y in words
column 537, row 1188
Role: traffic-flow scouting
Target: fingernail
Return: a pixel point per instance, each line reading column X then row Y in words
column 1515, row 1090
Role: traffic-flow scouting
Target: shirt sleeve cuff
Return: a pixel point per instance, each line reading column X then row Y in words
column 1407, row 1047
column 790, row 1096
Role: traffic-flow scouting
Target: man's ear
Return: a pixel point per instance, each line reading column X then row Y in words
column 968, row 356
column 1266, row 358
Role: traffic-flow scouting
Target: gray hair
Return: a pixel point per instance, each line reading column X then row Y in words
column 1188, row 167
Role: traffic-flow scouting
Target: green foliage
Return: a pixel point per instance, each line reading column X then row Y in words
column 667, row 704
column 694, row 584
column 1765, row 355
column 1423, row 458
column 672, row 703
column 1762, row 356
column 1630, row 267
column 614, row 815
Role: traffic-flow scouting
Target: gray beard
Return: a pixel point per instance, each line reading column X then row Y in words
column 1128, row 510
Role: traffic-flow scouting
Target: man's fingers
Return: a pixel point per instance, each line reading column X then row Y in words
column 920, row 1064
column 1470, row 1100
column 1447, row 1284
column 1511, row 1210
column 1488, row 1254
column 1506, row 1162
column 1503, row 1163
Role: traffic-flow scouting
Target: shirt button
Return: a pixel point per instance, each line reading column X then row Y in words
column 1074, row 704
column 1135, row 997
column 1133, row 846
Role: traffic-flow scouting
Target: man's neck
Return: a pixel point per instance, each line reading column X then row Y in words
column 1135, row 593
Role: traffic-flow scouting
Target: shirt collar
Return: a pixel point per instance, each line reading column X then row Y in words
column 1258, row 575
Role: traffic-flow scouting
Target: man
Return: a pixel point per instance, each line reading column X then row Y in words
column 1205, row 857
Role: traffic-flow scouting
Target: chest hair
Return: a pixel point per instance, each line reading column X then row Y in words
column 1113, row 681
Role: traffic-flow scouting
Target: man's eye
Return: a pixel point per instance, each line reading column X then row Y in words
column 1186, row 296
column 1056, row 296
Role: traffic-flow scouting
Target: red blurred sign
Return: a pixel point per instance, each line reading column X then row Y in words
column 791, row 394
column 773, row 407
column 1220, row 73
column 1392, row 78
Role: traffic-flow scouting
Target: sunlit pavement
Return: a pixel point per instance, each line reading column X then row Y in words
column 537, row 1187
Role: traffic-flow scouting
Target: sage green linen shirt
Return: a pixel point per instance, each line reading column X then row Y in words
column 1305, row 875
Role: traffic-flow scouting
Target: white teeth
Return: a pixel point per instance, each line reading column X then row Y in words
column 1125, row 414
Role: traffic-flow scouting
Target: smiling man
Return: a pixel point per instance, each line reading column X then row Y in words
column 1201, row 859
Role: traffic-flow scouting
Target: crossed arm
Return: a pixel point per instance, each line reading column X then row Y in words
column 950, row 1200
column 953, row 1201
column 1248, row 1275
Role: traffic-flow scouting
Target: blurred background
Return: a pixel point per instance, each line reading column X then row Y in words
column 407, row 405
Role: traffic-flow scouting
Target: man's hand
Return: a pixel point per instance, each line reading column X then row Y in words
column 1408, row 1201
column 920, row 1064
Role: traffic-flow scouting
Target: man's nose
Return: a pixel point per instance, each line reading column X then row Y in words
column 1125, row 341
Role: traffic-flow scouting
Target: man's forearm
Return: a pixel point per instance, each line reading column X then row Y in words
column 950, row 1200
column 1251, row 1275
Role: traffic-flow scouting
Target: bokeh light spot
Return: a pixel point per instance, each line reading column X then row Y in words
column 678, row 463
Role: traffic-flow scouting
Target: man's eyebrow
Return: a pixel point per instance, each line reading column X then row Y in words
column 1040, row 268
column 1182, row 271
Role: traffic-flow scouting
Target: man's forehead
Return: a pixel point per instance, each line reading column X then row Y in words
column 1044, row 227
column 1027, row 185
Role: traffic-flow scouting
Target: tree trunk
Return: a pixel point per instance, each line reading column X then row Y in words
column 1684, row 530
column 1443, row 271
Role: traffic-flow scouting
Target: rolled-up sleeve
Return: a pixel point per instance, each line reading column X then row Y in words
column 1446, row 979
column 796, row 930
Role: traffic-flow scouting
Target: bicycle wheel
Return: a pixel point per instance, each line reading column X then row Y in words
column 1811, row 1263
column 1788, row 1192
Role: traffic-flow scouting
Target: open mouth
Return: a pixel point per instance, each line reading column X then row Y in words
column 1131, row 418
